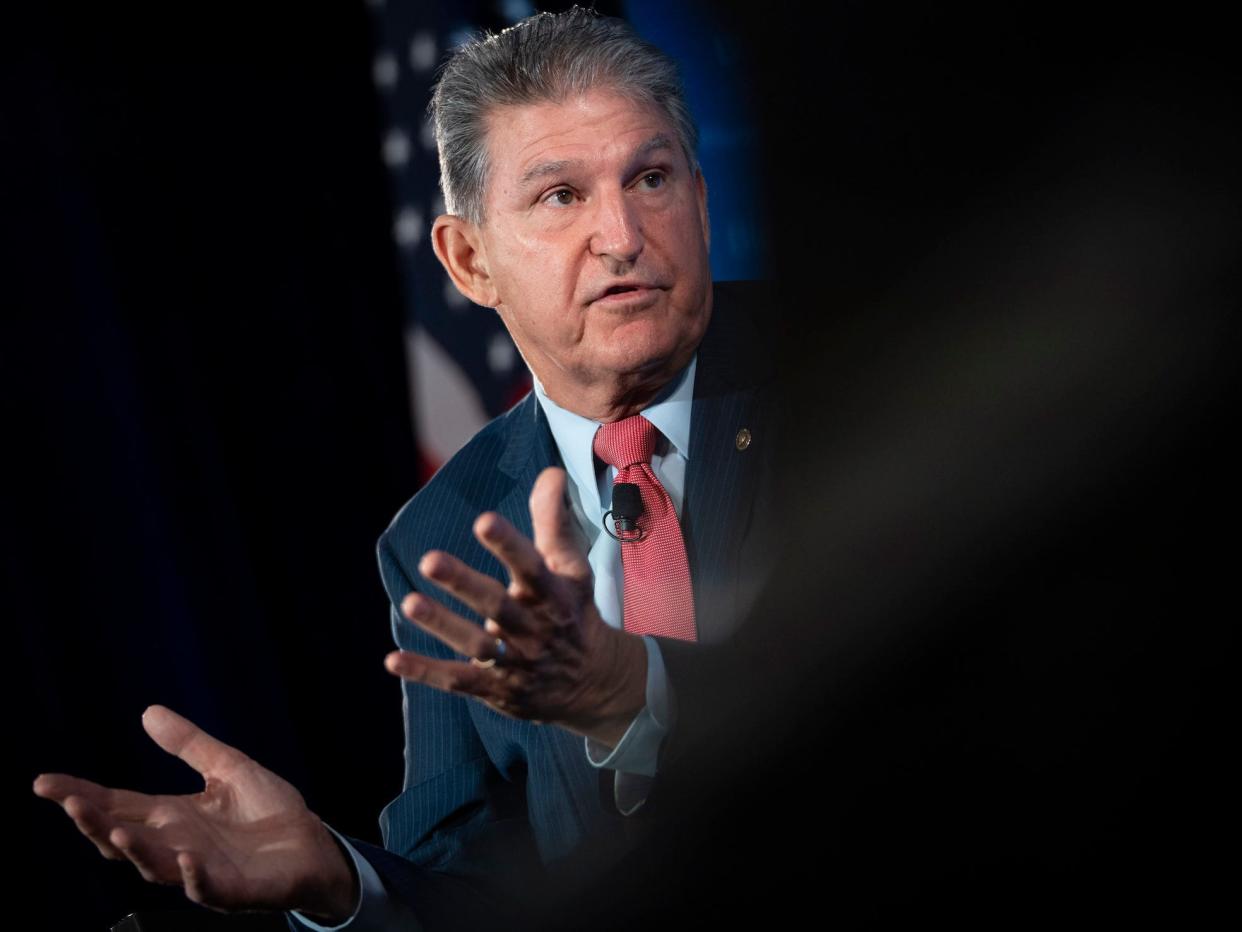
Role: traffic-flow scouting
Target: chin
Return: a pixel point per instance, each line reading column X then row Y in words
column 647, row 343
column 647, row 357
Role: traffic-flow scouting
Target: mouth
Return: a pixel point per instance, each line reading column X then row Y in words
column 625, row 291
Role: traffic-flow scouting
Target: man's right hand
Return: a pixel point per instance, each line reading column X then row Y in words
column 246, row 842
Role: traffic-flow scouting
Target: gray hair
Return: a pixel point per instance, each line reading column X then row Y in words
column 545, row 57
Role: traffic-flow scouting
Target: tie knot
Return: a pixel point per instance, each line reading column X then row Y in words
column 626, row 442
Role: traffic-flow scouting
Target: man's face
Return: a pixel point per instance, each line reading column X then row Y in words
column 595, row 240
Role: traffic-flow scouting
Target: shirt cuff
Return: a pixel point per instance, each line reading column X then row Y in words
column 639, row 748
column 374, row 909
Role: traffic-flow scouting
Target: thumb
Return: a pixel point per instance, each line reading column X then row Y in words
column 557, row 535
column 181, row 737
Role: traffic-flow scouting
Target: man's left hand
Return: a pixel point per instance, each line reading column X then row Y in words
column 543, row 653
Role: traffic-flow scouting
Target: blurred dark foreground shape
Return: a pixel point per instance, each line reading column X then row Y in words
column 989, row 682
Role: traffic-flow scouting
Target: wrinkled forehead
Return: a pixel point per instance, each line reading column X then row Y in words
column 531, row 141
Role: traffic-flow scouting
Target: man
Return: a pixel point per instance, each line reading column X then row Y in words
column 577, row 210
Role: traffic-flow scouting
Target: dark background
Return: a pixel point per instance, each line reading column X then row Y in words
column 1007, row 240
column 207, row 415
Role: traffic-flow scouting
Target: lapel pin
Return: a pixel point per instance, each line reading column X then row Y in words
column 742, row 440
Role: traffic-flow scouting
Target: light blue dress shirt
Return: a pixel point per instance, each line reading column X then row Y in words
column 590, row 492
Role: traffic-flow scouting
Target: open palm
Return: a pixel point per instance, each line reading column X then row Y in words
column 247, row 841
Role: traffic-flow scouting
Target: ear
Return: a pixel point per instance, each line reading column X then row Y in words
column 700, row 190
column 458, row 246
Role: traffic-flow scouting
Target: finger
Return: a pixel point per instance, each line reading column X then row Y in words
column 449, row 676
column 558, row 539
column 463, row 636
column 194, row 879
column 181, row 737
column 515, row 550
column 119, row 804
column 485, row 595
column 155, row 861
column 94, row 825
column 504, row 690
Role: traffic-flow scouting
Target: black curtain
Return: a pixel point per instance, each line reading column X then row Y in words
column 206, row 412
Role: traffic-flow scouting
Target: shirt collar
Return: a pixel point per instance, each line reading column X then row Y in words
column 575, row 435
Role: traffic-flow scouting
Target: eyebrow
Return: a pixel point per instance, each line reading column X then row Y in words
column 543, row 169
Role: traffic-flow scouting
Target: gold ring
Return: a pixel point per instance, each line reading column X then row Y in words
column 501, row 648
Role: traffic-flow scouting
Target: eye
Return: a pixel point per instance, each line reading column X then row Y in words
column 562, row 197
column 653, row 180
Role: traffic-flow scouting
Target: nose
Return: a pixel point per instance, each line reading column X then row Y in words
column 618, row 232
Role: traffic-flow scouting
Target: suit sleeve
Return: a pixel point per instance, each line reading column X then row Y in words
column 374, row 911
column 455, row 823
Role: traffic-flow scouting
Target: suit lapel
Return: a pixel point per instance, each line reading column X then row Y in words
column 530, row 450
column 725, row 465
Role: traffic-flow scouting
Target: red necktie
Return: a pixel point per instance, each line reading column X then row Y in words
column 658, row 598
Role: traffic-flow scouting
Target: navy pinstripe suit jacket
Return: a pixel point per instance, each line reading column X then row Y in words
column 486, row 796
